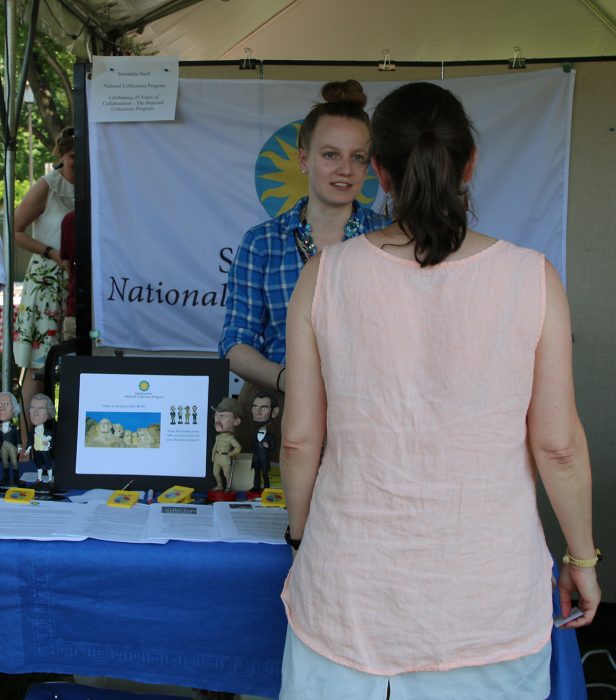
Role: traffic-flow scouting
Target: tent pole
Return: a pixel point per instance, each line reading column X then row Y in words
column 13, row 98
column 9, row 190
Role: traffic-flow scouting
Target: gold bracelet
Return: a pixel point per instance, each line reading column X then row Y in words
column 583, row 563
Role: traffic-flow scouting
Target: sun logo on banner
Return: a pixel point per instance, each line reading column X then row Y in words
column 278, row 179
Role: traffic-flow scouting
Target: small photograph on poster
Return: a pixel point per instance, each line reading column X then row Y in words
column 121, row 429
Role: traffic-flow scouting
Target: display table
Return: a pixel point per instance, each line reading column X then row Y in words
column 204, row 615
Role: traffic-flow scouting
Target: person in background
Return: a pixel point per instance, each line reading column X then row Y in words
column 68, row 256
column 434, row 363
column 39, row 319
column 335, row 146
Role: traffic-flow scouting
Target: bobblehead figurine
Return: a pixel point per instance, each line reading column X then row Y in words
column 10, row 437
column 264, row 410
column 227, row 416
column 40, row 441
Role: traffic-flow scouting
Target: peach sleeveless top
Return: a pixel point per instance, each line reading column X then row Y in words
column 423, row 548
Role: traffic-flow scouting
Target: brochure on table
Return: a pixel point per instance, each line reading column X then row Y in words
column 153, row 524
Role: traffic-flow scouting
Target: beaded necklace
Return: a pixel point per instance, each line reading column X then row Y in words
column 305, row 242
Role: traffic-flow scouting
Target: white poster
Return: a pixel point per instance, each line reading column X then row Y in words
column 171, row 201
column 142, row 425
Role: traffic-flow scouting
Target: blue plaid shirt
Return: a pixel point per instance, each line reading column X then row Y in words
column 262, row 278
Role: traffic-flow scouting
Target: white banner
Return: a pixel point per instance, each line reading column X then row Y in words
column 171, row 201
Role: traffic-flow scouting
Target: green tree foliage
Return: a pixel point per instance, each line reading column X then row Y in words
column 50, row 76
column 51, row 79
column 21, row 187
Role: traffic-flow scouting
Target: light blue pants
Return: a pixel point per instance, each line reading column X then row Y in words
column 307, row 675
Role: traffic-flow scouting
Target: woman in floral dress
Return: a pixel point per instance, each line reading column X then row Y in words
column 39, row 319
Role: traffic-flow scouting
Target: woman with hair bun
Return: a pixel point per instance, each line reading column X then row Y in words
column 39, row 319
column 335, row 146
column 441, row 376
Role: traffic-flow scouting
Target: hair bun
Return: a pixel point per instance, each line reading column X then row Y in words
column 349, row 91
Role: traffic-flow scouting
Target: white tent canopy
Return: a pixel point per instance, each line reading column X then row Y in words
column 343, row 30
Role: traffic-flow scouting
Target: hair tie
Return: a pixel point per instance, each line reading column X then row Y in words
column 278, row 381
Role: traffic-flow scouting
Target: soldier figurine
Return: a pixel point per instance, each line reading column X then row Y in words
column 227, row 416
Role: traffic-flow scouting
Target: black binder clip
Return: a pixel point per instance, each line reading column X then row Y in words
column 387, row 65
column 518, row 61
column 248, row 62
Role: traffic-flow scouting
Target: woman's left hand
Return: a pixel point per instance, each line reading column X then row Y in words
column 584, row 582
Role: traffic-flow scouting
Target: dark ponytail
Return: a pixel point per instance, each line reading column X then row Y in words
column 424, row 140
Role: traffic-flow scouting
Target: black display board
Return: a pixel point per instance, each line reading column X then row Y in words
column 143, row 420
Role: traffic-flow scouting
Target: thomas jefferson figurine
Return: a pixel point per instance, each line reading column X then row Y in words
column 264, row 410
column 10, row 436
column 226, row 447
column 41, row 438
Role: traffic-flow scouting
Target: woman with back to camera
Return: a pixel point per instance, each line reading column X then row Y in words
column 438, row 362
column 39, row 319
column 335, row 146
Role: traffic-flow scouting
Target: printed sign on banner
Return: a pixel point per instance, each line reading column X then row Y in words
column 172, row 200
column 133, row 88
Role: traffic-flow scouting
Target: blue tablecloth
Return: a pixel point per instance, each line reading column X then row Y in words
column 566, row 672
column 205, row 615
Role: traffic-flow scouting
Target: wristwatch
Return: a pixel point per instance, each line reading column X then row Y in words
column 290, row 541
column 47, row 250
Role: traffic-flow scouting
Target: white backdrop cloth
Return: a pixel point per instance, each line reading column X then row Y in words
column 172, row 200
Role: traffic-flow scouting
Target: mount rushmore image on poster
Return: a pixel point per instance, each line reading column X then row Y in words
column 121, row 429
